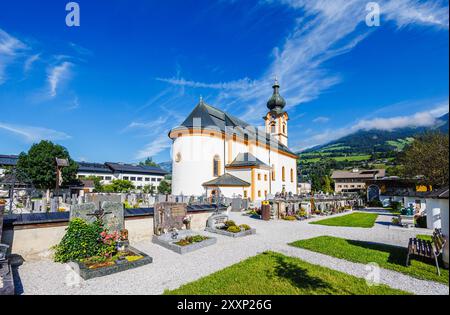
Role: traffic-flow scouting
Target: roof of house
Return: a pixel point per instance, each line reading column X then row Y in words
column 226, row 180
column 247, row 159
column 359, row 174
column 135, row 169
column 207, row 116
column 8, row 160
column 93, row 167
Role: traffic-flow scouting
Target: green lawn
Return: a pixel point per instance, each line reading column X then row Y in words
column 386, row 256
column 424, row 237
column 358, row 219
column 275, row 274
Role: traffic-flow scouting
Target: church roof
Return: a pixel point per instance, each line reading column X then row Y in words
column 204, row 115
column 247, row 159
column 226, row 180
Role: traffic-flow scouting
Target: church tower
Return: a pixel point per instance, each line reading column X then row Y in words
column 276, row 119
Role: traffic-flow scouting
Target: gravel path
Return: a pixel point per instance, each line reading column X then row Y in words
column 170, row 270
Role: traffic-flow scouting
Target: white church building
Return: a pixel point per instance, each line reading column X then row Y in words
column 215, row 151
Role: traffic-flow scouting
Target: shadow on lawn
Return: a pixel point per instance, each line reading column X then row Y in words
column 397, row 254
column 298, row 276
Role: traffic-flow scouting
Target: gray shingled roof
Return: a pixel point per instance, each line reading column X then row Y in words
column 361, row 174
column 8, row 160
column 247, row 159
column 226, row 180
column 135, row 169
column 204, row 115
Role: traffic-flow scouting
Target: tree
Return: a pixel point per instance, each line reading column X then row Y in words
column 164, row 187
column 98, row 187
column 39, row 164
column 428, row 156
column 148, row 189
column 149, row 162
column 119, row 186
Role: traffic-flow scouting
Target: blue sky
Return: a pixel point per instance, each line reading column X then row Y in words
column 112, row 88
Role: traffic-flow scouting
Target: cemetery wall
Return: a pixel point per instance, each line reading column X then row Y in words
column 34, row 241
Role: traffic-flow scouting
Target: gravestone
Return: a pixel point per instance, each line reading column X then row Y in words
column 216, row 221
column 2, row 210
column 111, row 213
column 99, row 199
column 168, row 216
column 236, row 204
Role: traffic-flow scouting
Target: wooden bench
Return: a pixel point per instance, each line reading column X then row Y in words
column 426, row 249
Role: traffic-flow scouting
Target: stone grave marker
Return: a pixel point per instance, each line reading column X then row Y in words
column 111, row 213
column 168, row 216
column 216, row 221
column 99, row 199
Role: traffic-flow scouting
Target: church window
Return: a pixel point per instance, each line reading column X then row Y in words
column 259, row 193
column 216, row 166
column 245, row 194
column 283, row 174
column 178, row 157
column 273, row 171
column 272, row 128
column 292, row 175
column 284, row 128
column 265, row 177
column 259, row 176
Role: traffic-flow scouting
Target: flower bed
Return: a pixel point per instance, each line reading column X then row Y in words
column 93, row 251
column 183, row 241
column 230, row 228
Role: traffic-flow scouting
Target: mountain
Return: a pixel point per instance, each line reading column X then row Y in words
column 366, row 142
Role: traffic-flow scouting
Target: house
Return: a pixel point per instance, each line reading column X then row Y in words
column 354, row 180
column 139, row 175
column 215, row 152
column 7, row 161
column 304, row 188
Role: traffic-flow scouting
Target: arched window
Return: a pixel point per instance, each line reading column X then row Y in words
column 284, row 128
column 283, row 174
column 216, row 166
column 292, row 175
column 272, row 128
column 178, row 157
column 273, row 171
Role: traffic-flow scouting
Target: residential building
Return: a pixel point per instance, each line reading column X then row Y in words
column 304, row 188
column 354, row 180
column 139, row 175
column 217, row 152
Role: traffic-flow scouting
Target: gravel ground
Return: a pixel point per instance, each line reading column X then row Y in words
column 170, row 270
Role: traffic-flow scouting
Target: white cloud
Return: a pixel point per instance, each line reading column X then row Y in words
column 232, row 85
column 33, row 134
column 10, row 48
column 153, row 148
column 30, row 61
column 427, row 118
column 324, row 29
column 57, row 75
column 321, row 119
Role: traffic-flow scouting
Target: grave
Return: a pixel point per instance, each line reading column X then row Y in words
column 169, row 220
column 216, row 224
column 112, row 216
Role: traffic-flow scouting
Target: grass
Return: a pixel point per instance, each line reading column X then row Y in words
column 424, row 237
column 386, row 256
column 358, row 219
column 272, row 273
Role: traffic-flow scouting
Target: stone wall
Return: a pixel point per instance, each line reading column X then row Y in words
column 34, row 241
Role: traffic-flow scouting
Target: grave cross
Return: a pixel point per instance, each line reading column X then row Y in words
column 99, row 214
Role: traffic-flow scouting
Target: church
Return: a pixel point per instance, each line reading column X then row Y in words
column 217, row 153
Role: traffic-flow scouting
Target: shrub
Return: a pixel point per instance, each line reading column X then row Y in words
column 289, row 218
column 375, row 203
column 230, row 223
column 396, row 206
column 245, row 227
column 234, row 229
column 395, row 221
column 80, row 241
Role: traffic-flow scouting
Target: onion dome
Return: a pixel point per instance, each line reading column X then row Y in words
column 276, row 103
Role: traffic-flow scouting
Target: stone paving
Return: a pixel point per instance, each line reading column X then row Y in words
column 170, row 270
